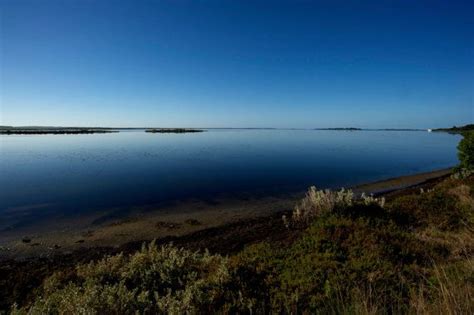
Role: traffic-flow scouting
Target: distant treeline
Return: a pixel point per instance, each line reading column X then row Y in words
column 455, row 129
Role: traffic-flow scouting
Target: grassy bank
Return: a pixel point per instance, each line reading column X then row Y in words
column 334, row 254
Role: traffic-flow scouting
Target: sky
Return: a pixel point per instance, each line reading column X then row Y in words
column 294, row 64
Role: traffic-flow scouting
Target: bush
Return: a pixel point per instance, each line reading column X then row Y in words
column 319, row 202
column 155, row 279
column 466, row 151
column 446, row 208
column 335, row 257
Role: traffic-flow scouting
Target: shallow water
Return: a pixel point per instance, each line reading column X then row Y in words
column 43, row 175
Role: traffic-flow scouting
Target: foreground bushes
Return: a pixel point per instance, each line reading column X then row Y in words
column 413, row 254
column 466, row 151
column 155, row 279
column 317, row 203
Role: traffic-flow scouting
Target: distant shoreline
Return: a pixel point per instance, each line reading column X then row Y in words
column 67, row 131
column 456, row 130
column 40, row 130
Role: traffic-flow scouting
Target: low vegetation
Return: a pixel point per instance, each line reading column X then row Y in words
column 317, row 203
column 466, row 151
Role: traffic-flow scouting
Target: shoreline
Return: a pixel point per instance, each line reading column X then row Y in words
column 388, row 185
column 177, row 220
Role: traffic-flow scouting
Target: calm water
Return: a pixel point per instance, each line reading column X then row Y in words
column 76, row 173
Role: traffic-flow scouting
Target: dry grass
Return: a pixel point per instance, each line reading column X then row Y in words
column 463, row 193
column 319, row 202
column 452, row 291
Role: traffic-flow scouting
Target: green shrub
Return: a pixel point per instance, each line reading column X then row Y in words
column 439, row 208
column 320, row 202
column 334, row 258
column 156, row 279
column 466, row 151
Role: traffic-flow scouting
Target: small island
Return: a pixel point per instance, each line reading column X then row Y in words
column 173, row 130
column 339, row 129
column 7, row 130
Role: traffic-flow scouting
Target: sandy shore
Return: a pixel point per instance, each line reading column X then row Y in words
column 392, row 184
column 175, row 219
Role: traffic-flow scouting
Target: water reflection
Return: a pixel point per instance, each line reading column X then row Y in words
column 74, row 173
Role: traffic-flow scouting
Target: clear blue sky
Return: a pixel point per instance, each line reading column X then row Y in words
column 237, row 63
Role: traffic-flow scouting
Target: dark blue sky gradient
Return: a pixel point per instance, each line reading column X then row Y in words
column 237, row 63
